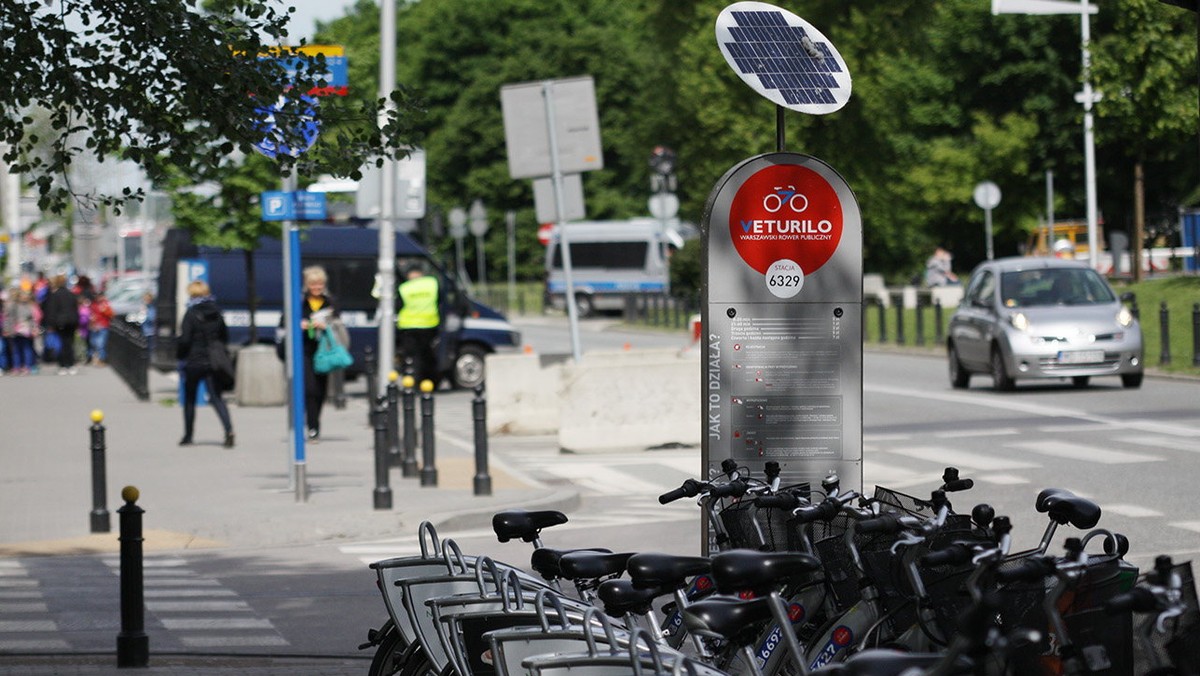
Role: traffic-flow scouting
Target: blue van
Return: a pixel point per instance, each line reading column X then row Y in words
column 350, row 256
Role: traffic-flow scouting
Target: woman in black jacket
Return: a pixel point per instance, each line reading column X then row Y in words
column 60, row 314
column 202, row 325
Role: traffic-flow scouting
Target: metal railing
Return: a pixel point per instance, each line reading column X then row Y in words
column 129, row 356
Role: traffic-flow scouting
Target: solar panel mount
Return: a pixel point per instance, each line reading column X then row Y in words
column 783, row 57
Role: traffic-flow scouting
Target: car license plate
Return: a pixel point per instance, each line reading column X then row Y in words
column 1081, row 357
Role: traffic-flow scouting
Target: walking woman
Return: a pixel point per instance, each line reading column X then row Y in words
column 202, row 326
column 317, row 312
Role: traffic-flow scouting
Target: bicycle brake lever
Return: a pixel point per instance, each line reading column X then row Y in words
column 907, row 539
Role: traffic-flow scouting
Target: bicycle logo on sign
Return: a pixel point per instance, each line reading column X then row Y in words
column 773, row 202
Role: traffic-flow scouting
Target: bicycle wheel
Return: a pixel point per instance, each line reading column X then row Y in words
column 417, row 664
column 389, row 656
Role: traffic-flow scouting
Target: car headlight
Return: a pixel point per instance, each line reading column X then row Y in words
column 1019, row 321
column 1125, row 317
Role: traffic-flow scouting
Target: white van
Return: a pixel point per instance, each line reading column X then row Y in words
column 609, row 261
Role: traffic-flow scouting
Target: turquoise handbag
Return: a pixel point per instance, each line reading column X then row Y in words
column 330, row 355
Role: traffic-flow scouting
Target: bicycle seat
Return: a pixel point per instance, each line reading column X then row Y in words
column 733, row 619
column 744, row 569
column 665, row 570
column 1063, row 506
column 548, row 562
column 586, row 564
column 518, row 523
column 620, row 597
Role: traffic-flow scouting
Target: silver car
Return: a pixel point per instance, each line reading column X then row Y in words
column 1026, row 318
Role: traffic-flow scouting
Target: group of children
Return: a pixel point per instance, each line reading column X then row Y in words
column 41, row 319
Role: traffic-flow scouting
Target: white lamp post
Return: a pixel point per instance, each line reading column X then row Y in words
column 1087, row 97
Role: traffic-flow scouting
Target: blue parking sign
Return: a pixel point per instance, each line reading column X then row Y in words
column 277, row 206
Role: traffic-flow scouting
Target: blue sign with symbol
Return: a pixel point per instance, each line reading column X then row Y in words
column 301, row 124
column 292, row 206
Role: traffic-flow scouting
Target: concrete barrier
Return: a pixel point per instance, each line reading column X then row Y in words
column 948, row 296
column 522, row 394
column 260, row 378
column 630, row 400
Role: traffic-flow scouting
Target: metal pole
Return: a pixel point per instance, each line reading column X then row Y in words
column 882, row 322
column 938, row 321
column 383, row 492
column 387, row 201
column 481, row 264
column 1195, row 334
column 133, row 646
column 408, row 464
column 371, row 366
column 920, row 324
column 101, row 522
column 987, row 228
column 900, row 320
column 779, row 128
column 560, row 207
column 393, row 419
column 428, row 452
column 1087, row 97
column 294, row 353
column 1164, row 329
column 1049, row 211
column 510, row 223
column 483, row 481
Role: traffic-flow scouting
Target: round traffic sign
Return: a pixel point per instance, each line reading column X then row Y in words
column 987, row 195
column 544, row 232
column 664, row 205
column 458, row 223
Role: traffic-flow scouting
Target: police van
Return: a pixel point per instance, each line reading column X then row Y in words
column 610, row 260
column 350, row 256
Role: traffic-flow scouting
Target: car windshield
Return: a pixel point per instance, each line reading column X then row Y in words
column 1054, row 286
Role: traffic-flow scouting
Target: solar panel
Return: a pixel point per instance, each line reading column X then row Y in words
column 783, row 57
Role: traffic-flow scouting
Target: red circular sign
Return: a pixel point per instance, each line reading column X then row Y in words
column 787, row 213
column 544, row 231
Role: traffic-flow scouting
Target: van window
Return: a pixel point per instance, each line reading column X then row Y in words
column 629, row 255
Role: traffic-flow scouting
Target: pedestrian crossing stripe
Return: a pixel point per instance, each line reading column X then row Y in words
column 963, row 460
column 1072, row 451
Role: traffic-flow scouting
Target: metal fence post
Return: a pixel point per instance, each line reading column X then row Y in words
column 882, row 322
column 383, row 492
column 483, row 480
column 938, row 322
column 1164, row 328
column 900, row 320
column 920, row 328
column 101, row 521
column 133, row 645
column 408, row 396
column 428, row 453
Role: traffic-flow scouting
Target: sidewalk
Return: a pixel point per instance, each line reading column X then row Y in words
column 205, row 496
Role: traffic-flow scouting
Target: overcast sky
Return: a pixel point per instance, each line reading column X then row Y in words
column 308, row 12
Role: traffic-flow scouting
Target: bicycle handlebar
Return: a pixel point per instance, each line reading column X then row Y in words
column 731, row 489
column 888, row 523
column 955, row 553
column 690, row 489
column 780, row 500
column 958, row 485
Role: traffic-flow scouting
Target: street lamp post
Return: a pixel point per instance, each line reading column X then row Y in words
column 1087, row 97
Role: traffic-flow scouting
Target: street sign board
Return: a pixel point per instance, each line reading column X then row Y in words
column 545, row 205
column 458, row 222
column 576, row 127
column 409, row 192
column 664, row 205
column 782, row 320
column 337, row 79
column 278, row 205
column 987, row 195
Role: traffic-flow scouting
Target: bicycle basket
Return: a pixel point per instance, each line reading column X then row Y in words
column 891, row 501
column 1179, row 644
column 829, row 543
column 751, row 527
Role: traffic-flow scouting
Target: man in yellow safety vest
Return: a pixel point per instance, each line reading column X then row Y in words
column 417, row 321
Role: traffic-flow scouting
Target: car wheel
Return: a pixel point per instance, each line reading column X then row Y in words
column 1081, row 381
column 584, row 307
column 1132, row 380
column 469, row 367
column 960, row 377
column 1000, row 378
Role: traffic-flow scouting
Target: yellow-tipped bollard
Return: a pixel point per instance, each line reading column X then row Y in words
column 101, row 521
column 428, row 468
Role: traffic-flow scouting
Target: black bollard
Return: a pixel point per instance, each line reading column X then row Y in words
column 133, row 645
column 428, row 453
column 383, row 492
column 101, row 522
column 372, row 370
column 393, row 419
column 408, row 398
column 483, row 480
column 900, row 320
column 1164, row 328
column 938, row 322
column 920, row 328
column 882, row 322
column 1195, row 334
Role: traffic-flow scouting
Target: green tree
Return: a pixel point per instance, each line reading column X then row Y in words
column 167, row 85
column 1148, row 111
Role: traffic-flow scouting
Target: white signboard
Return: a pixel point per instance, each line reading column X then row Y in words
column 526, row 132
column 543, row 199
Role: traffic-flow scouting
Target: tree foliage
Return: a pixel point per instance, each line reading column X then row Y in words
column 168, row 85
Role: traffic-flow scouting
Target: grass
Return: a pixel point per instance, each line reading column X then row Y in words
column 1180, row 294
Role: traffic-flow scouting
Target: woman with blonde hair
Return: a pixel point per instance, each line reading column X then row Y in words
column 202, row 326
